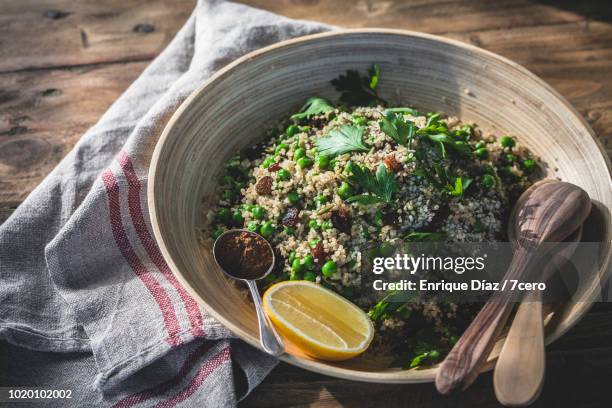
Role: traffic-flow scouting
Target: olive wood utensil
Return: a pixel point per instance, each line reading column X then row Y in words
column 519, row 372
column 546, row 212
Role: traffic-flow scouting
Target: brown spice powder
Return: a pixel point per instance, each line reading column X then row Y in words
column 244, row 255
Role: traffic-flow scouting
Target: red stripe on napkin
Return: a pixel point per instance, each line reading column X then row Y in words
column 207, row 368
column 135, row 208
column 155, row 289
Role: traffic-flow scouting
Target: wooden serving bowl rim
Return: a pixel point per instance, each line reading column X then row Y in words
column 411, row 376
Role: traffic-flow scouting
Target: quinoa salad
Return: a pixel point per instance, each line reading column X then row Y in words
column 335, row 178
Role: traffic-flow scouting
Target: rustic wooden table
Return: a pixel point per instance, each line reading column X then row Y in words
column 62, row 63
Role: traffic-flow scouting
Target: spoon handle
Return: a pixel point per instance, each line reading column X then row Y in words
column 270, row 341
column 462, row 365
column 520, row 368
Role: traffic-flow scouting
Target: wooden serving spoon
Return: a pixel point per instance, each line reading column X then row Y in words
column 519, row 372
column 549, row 212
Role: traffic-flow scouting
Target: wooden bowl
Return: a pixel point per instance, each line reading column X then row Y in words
column 231, row 110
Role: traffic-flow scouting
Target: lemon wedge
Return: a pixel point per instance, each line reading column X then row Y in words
column 320, row 322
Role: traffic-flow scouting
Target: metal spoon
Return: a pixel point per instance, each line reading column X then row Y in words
column 549, row 212
column 268, row 337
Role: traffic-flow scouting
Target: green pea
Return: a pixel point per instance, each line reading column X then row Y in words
column 313, row 224
column 237, row 218
column 310, row 276
column 480, row 145
column 481, row 153
column 434, row 354
column 453, row 339
column 293, row 197
column 304, row 162
column 267, row 229
column 292, row 130
column 297, row 266
column 224, row 215
column 326, row 225
column 247, row 207
column 314, row 242
column 280, row 147
column 217, row 232
column 329, row 268
column 289, row 230
column 360, row 121
column 321, row 199
column 529, row 164
column 283, row 174
column 291, row 257
column 299, row 153
column 386, row 249
column 308, row 261
column 345, row 190
column 488, row 181
column 507, row 141
column 268, row 162
column 510, row 158
column 322, row 162
column 258, row 212
column 253, row 226
column 295, row 276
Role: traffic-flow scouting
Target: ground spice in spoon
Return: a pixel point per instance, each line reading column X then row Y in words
column 243, row 255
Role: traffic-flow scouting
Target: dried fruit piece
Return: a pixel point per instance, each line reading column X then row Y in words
column 341, row 219
column 392, row 164
column 319, row 254
column 264, row 186
column 290, row 219
column 274, row 167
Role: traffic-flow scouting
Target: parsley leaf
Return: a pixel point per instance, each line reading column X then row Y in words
column 397, row 128
column 342, row 140
column 313, row 106
column 394, row 302
column 381, row 185
column 461, row 184
column 359, row 91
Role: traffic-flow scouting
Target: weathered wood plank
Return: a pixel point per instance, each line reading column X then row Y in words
column 571, row 380
column 42, row 115
column 59, row 33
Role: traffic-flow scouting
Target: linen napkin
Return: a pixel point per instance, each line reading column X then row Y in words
column 80, row 272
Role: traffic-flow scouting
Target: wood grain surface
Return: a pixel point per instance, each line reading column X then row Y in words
column 62, row 63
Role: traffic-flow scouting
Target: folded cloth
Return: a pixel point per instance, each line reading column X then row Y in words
column 79, row 269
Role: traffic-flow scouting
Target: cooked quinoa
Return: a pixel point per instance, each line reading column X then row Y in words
column 334, row 179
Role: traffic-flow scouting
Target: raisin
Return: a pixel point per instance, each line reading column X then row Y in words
column 392, row 164
column 264, row 186
column 290, row 219
column 319, row 254
column 274, row 167
column 342, row 220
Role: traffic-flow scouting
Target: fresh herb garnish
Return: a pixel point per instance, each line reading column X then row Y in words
column 313, row 106
column 392, row 304
column 397, row 128
column 342, row 140
column 380, row 186
column 359, row 91
column 461, row 184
